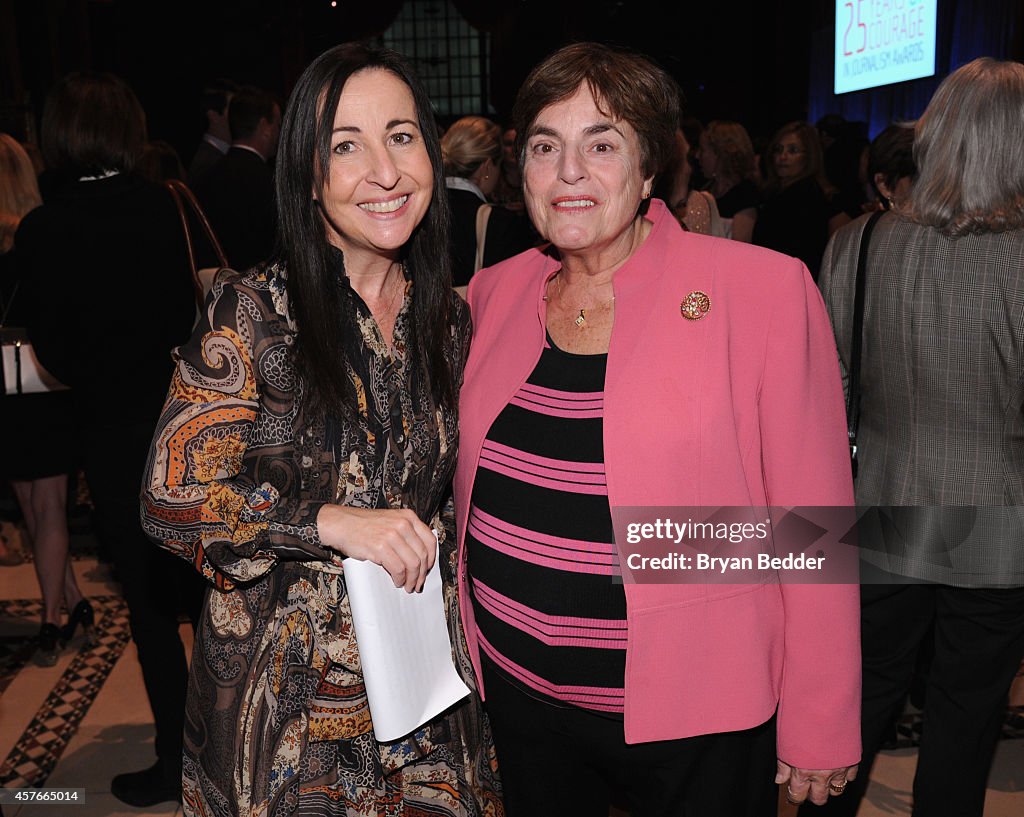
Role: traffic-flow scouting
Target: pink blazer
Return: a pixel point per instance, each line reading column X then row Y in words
column 742, row 407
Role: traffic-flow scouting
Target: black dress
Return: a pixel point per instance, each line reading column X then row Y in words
column 37, row 439
column 795, row 222
column 508, row 234
column 740, row 196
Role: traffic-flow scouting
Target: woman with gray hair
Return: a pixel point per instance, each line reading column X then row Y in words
column 795, row 215
column 942, row 430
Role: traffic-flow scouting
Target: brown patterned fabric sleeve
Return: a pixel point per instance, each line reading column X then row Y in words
column 219, row 490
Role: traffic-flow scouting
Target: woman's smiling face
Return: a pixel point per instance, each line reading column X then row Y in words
column 581, row 177
column 380, row 180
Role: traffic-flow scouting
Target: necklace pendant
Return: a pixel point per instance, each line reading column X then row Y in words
column 582, row 319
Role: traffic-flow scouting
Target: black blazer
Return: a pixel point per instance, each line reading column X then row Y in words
column 238, row 197
column 206, row 158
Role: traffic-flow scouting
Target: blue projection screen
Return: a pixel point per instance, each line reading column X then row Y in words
column 879, row 42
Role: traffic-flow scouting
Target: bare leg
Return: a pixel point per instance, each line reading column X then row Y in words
column 72, row 594
column 44, row 505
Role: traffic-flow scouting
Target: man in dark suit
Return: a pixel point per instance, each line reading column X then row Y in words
column 217, row 139
column 238, row 194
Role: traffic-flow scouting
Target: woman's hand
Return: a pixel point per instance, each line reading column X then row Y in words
column 813, row 784
column 394, row 539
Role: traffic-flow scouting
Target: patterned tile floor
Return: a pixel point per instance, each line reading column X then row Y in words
column 79, row 723
column 44, row 740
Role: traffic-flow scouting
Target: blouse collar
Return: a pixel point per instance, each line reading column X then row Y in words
column 459, row 183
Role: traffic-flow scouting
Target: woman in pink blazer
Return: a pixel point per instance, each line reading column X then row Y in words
column 631, row 363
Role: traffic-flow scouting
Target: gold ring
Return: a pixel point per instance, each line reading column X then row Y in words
column 838, row 788
column 791, row 799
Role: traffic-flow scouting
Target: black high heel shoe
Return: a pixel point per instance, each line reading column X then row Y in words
column 82, row 614
column 50, row 641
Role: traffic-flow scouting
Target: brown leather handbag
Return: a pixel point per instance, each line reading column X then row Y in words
column 185, row 200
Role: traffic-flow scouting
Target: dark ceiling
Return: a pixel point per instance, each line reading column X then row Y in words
column 736, row 59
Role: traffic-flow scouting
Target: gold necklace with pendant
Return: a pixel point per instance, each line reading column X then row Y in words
column 580, row 319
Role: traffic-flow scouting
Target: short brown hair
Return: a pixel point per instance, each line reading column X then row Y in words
column 92, row 122
column 248, row 106
column 625, row 86
column 892, row 155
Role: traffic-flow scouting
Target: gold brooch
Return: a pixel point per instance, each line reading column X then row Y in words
column 695, row 306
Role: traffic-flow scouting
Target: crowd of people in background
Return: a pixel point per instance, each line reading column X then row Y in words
column 90, row 231
column 788, row 191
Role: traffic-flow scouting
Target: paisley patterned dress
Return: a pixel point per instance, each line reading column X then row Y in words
column 277, row 721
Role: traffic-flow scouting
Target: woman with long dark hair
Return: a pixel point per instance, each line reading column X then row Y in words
column 794, row 215
column 313, row 417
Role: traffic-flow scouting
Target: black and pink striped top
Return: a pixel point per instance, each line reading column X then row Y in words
column 550, row 618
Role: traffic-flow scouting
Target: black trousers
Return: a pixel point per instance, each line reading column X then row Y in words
column 155, row 584
column 567, row 762
column 978, row 646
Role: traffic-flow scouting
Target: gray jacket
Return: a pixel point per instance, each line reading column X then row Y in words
column 942, row 379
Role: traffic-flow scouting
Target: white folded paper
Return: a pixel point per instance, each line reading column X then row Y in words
column 404, row 649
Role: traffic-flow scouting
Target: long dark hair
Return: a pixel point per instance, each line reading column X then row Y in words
column 814, row 161
column 314, row 296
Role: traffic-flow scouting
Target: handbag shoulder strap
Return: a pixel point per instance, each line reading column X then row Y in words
column 483, row 213
column 857, row 339
column 6, row 304
column 185, row 200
